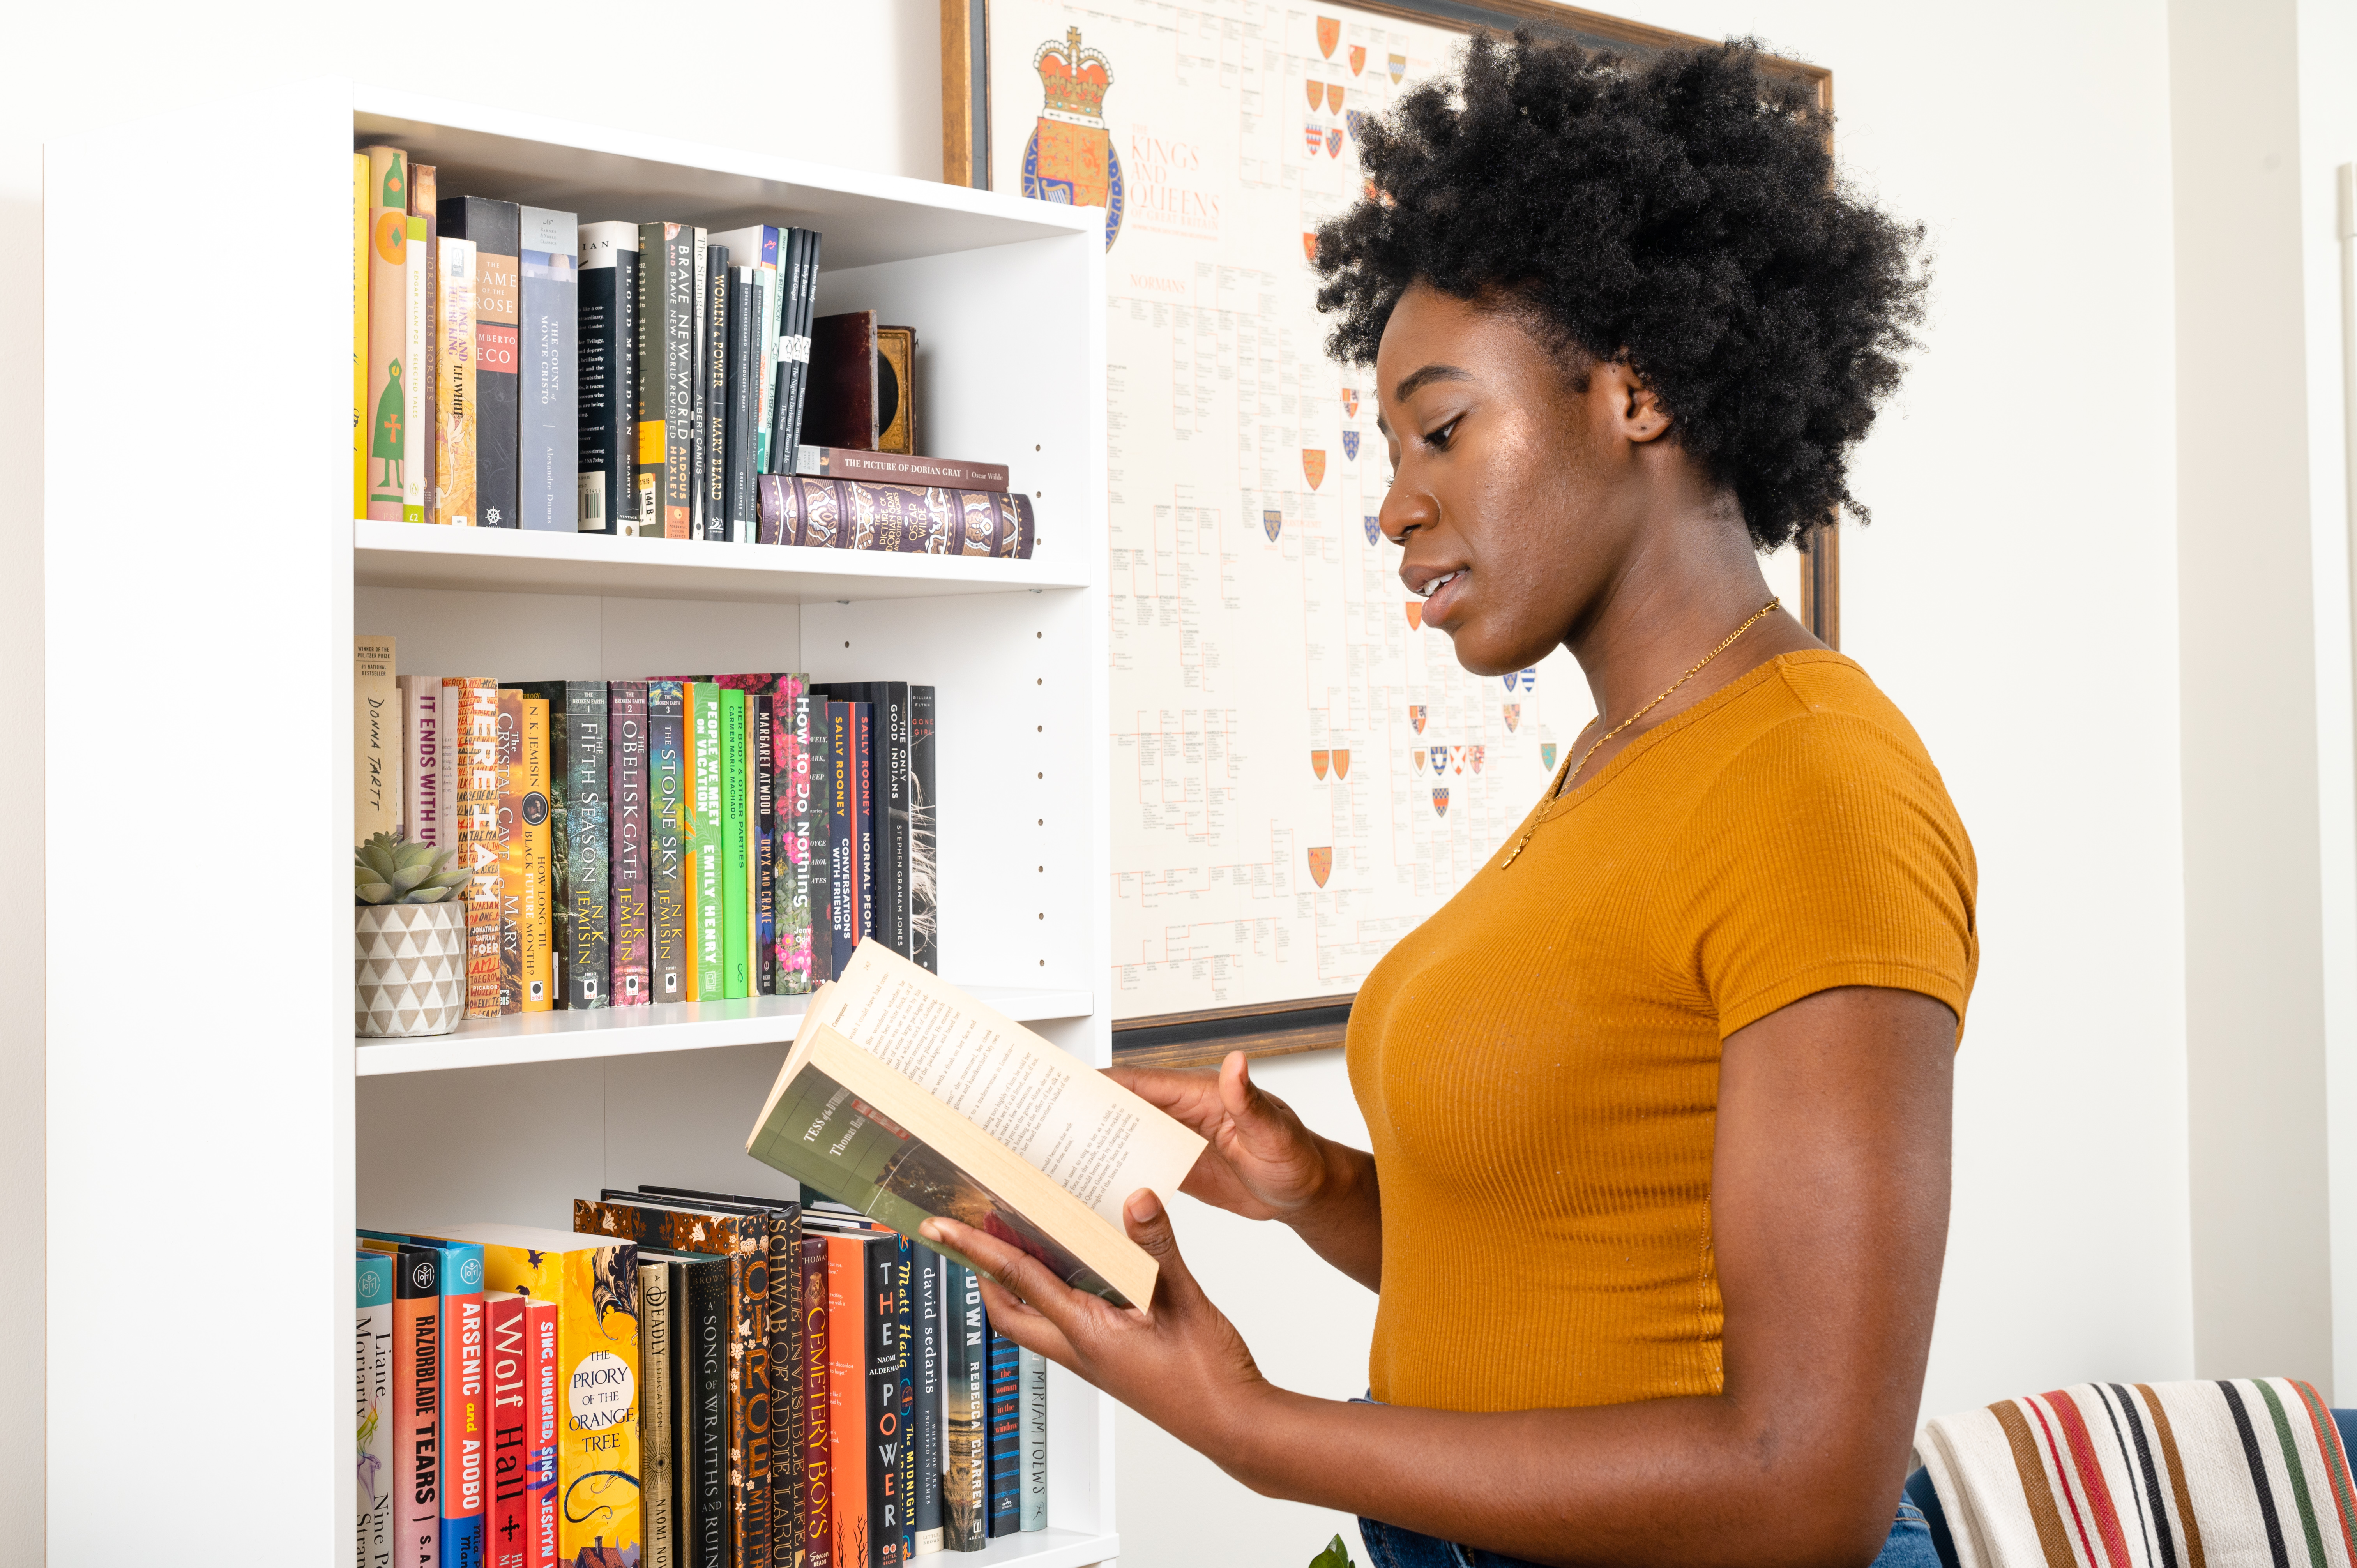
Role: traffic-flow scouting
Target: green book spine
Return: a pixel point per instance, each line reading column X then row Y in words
column 708, row 842
column 735, row 859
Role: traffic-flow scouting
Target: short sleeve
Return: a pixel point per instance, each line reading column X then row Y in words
column 1827, row 853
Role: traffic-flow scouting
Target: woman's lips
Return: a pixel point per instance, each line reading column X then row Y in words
column 1445, row 596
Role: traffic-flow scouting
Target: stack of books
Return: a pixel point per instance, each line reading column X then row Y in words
column 513, row 367
column 680, row 839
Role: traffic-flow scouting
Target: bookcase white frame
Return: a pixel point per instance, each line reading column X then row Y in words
column 202, row 584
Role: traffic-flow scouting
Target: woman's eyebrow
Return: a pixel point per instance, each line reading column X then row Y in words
column 1416, row 381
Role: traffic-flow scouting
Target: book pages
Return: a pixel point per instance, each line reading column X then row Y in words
column 1095, row 1139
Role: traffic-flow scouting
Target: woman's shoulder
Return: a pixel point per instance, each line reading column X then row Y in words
column 1817, row 712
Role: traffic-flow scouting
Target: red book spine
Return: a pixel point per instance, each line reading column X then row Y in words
column 508, row 1541
column 818, row 1493
column 541, row 1434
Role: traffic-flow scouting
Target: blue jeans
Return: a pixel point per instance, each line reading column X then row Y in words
column 1388, row 1546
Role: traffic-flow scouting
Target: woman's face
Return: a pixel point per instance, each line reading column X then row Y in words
column 1514, row 490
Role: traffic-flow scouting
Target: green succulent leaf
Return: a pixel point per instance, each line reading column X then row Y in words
column 426, row 895
column 377, row 856
column 375, row 892
column 408, row 877
column 445, row 879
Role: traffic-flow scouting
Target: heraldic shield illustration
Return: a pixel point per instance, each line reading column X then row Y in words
column 1069, row 158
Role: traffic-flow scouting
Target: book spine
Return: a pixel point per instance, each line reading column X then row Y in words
column 429, row 379
column 513, row 852
column 541, row 1324
column 901, row 1436
column 360, row 333
column 376, row 740
column 761, row 783
column 372, row 1403
column 806, row 300
column 749, row 1372
column 790, row 802
column 850, row 1323
column 743, row 377
column 1005, row 1435
column 785, row 1385
column 733, row 857
column 559, row 890
column 925, row 1428
column 662, row 509
column 539, row 932
column 1035, row 1440
column 416, row 443
column 718, row 336
column 843, row 829
column 708, row 1416
column 893, row 468
column 418, row 1406
column 455, row 455
column 655, row 1423
column 883, row 1371
column 667, row 851
column 860, row 749
column 588, row 955
column 607, row 343
column 421, row 712
column 508, row 1536
column 388, row 331
column 627, row 732
column 765, row 356
column 965, row 1502
column 818, row 852
column 891, row 791
column 478, row 838
column 816, row 1432
column 924, row 835
column 700, row 356
column 597, row 1361
column 450, row 768
column 496, row 230
column 466, row 1417
column 708, row 943
column 548, row 403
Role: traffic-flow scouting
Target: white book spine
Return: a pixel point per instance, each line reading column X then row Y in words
column 1035, row 1440
column 449, row 759
column 417, row 438
column 421, row 754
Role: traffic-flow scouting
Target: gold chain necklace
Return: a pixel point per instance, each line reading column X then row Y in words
column 1571, row 769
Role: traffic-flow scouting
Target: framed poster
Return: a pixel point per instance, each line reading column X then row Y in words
column 1301, row 773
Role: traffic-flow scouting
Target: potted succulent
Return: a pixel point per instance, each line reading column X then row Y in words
column 409, row 939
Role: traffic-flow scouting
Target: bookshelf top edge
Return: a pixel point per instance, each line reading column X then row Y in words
column 602, row 172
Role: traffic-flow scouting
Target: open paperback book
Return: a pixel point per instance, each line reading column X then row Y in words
column 905, row 1098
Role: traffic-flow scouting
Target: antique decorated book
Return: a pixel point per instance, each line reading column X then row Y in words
column 899, row 468
column 882, row 1105
column 853, row 514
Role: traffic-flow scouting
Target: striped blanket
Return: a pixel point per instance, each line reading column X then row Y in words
column 2194, row 1474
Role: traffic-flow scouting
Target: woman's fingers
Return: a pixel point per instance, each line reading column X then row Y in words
column 1027, row 1328
column 1018, row 1274
column 1147, row 1221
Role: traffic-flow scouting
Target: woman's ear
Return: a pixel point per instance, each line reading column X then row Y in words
column 1630, row 401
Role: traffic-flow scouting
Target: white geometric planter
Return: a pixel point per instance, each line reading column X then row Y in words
column 410, row 961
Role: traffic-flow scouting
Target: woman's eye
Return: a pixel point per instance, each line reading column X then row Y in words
column 1439, row 439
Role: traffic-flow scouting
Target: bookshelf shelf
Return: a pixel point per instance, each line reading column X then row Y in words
column 257, row 1096
column 639, row 1031
column 505, row 560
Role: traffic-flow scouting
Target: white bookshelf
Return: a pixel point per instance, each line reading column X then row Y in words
column 204, row 579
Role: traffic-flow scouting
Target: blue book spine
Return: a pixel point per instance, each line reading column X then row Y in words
column 1005, row 1435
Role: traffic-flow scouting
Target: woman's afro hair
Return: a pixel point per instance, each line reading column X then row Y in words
column 1680, row 211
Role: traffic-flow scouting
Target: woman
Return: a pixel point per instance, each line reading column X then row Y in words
column 1659, row 1100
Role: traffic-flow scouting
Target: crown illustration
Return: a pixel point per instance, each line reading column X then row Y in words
column 1074, row 79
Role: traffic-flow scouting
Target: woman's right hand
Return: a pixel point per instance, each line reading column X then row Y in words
column 1262, row 1163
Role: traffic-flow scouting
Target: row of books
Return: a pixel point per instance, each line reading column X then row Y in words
column 680, row 838
column 687, row 1379
column 515, row 368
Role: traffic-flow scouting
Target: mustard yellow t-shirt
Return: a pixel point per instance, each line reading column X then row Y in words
column 1538, row 1063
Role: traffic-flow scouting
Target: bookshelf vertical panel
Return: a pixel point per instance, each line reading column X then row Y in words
column 173, row 569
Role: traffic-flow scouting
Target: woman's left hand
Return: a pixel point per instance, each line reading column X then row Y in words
column 1177, row 1362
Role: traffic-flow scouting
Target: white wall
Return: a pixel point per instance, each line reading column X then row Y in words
column 851, row 84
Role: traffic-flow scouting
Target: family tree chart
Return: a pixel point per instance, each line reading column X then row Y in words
column 1301, row 773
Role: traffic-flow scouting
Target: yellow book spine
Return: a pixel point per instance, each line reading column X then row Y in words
column 360, row 332
column 539, row 968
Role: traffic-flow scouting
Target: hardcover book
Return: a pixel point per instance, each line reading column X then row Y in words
column 578, row 811
column 817, row 1429
column 514, row 857
column 548, row 460
column 735, row 852
column 701, row 1390
column 631, row 937
column 607, row 372
column 508, row 1373
column 594, row 1284
column 665, row 376
column 965, row 1476
column 924, row 835
column 843, row 392
column 847, row 804
column 854, row 1263
column 744, row 352
column 454, row 400
column 888, row 1456
column 479, row 780
column 705, row 765
column 496, row 229
column 373, row 1402
column 1005, row 1435
column 417, row 438
column 388, row 339
column 847, row 514
column 376, row 740
column 859, row 753
column 667, row 854
column 761, row 783
column 539, row 931
column 657, row 1482
column 541, row 1329
column 428, row 307
column 899, row 468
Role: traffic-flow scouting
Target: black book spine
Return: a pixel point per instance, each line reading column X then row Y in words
column 708, row 1308
column 578, row 811
column 805, row 302
column 666, row 844
column 842, row 841
column 882, row 1306
column 781, row 451
column 720, row 317
column 744, row 403
column 818, row 853
column 924, row 835
column 966, row 1357
column 891, row 752
column 607, row 343
column 761, row 733
column 905, row 1400
column 497, row 229
column 1005, row 1435
column 928, row 1328
column 786, row 1384
column 859, row 748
